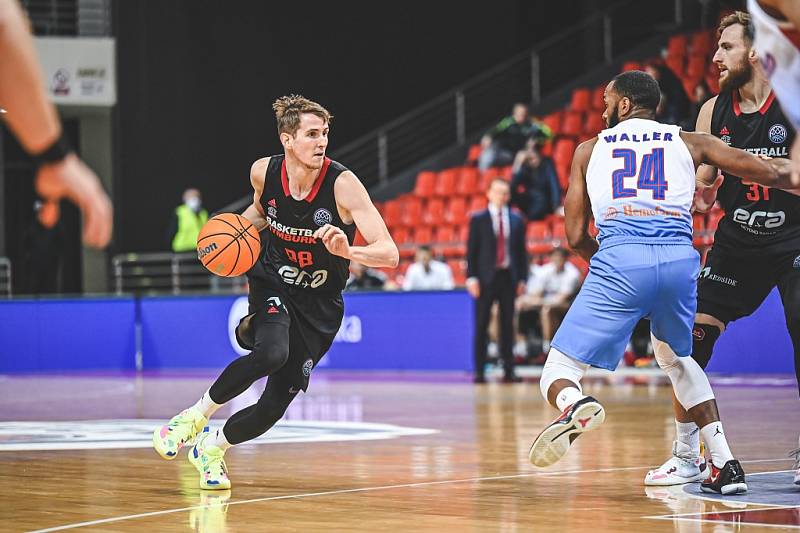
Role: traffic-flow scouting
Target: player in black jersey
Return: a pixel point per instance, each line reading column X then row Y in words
column 757, row 244
column 310, row 208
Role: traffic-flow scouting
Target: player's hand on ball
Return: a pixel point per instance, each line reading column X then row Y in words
column 334, row 240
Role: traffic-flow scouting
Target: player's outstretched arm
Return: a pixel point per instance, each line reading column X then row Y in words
column 352, row 198
column 254, row 212
column 577, row 207
column 776, row 173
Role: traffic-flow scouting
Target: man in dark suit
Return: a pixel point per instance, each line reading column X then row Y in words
column 497, row 266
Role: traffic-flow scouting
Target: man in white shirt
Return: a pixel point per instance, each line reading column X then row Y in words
column 551, row 288
column 427, row 274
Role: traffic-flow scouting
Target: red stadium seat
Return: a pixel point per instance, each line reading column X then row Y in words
column 400, row 236
column 474, row 153
column 412, row 212
column 506, row 172
column 467, row 181
column 446, row 182
column 393, row 211
column 702, row 42
column 597, row 98
column 676, row 45
column 594, row 123
column 581, row 100
column 573, row 124
column 553, row 121
column 425, row 183
column 696, row 67
column 459, row 268
column 563, row 150
column 433, row 213
column 537, row 231
column 456, row 211
column 486, row 178
column 478, row 203
column 631, row 65
column 445, row 234
column 559, row 231
column 422, row 235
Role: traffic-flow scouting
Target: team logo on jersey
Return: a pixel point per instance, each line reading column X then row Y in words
column 272, row 208
column 322, row 216
column 725, row 135
column 611, row 213
column 796, row 263
column 307, row 366
column 778, row 133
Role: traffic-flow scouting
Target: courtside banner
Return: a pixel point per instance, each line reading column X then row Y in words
column 380, row 331
column 67, row 334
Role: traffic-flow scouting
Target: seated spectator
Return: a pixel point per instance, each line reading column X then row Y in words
column 674, row 106
column 551, row 289
column 186, row 222
column 534, row 186
column 701, row 94
column 506, row 138
column 362, row 277
column 427, row 274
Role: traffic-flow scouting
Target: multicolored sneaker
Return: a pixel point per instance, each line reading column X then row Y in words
column 179, row 432
column 553, row 442
column 726, row 480
column 208, row 460
column 682, row 467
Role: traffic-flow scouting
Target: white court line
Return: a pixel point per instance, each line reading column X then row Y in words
column 362, row 489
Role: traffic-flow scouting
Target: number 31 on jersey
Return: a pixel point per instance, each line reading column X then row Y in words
column 651, row 174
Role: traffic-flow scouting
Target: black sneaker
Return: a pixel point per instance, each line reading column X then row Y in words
column 553, row 442
column 726, row 480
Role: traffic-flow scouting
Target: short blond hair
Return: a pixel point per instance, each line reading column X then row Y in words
column 289, row 108
column 738, row 17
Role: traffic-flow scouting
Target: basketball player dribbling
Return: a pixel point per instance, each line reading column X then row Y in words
column 638, row 179
column 757, row 245
column 311, row 207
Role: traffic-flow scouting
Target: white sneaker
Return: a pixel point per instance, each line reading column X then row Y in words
column 683, row 467
column 796, row 454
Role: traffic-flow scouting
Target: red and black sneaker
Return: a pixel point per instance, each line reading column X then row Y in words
column 553, row 442
column 726, row 480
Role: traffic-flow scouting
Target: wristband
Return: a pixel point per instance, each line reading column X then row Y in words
column 54, row 153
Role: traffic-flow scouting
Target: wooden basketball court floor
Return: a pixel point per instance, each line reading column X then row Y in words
column 375, row 452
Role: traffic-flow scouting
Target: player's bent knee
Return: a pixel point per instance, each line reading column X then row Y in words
column 704, row 336
column 561, row 366
column 268, row 359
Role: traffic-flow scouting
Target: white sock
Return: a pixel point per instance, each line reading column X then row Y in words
column 206, row 405
column 717, row 444
column 218, row 439
column 567, row 397
column 689, row 434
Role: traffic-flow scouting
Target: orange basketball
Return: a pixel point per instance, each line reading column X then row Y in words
column 228, row 245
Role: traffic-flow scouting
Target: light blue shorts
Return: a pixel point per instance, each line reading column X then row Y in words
column 627, row 282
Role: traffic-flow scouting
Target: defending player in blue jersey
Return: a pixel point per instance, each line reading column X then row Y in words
column 637, row 179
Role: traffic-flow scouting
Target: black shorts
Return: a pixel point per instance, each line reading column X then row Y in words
column 733, row 285
column 313, row 321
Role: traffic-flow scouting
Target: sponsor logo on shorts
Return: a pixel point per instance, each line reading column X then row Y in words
column 322, row 216
column 698, row 333
column 777, row 133
column 307, row 366
column 706, row 274
column 796, row 263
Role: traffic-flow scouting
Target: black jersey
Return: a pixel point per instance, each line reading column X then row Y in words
column 290, row 253
column 756, row 217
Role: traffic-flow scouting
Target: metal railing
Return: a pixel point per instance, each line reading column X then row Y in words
column 471, row 107
column 5, row 276
column 83, row 18
column 168, row 273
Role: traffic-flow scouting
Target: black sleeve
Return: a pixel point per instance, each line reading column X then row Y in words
column 472, row 248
